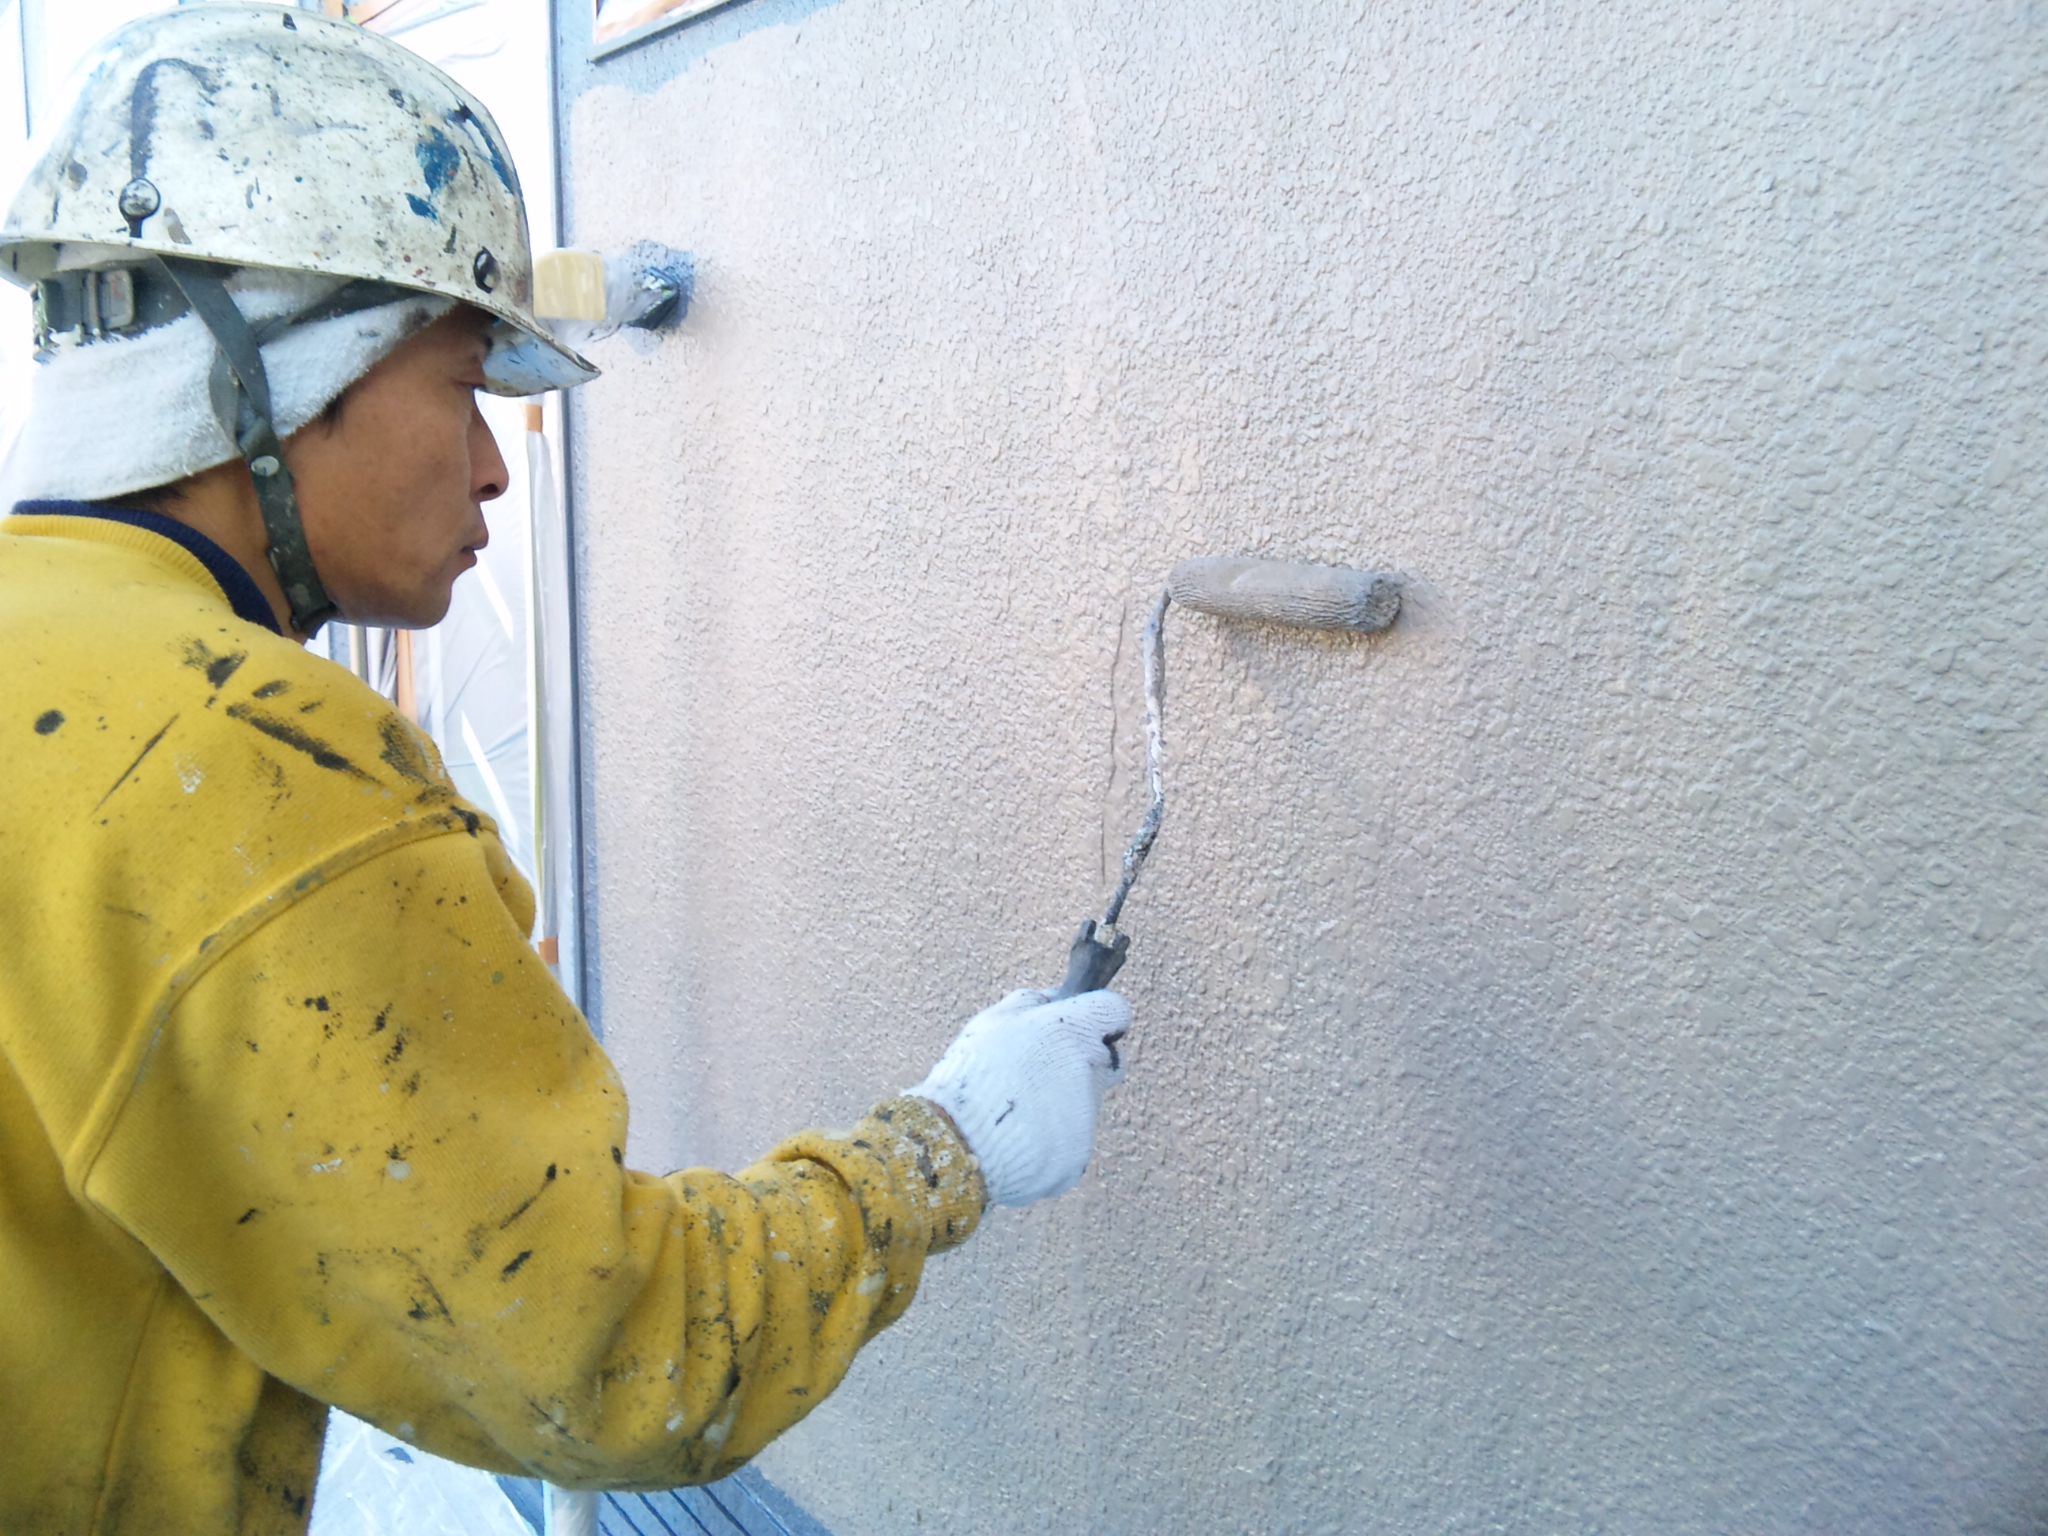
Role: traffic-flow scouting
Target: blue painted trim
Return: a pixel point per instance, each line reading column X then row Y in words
column 529, row 1498
column 784, row 1514
column 649, row 58
column 745, row 1504
column 639, row 35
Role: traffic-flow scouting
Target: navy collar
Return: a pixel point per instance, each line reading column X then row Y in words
column 242, row 592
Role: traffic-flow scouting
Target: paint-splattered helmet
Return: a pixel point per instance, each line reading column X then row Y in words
column 260, row 136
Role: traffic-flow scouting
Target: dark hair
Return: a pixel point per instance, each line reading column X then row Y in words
column 158, row 498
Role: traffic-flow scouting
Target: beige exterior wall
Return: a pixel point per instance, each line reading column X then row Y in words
column 1592, row 1065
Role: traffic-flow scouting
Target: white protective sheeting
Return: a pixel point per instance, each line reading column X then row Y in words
column 372, row 1484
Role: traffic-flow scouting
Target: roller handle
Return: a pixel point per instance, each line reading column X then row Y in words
column 1091, row 964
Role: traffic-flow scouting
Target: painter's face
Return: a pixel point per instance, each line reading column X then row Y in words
column 392, row 493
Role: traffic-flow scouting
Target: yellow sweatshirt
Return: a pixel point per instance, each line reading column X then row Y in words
column 291, row 1114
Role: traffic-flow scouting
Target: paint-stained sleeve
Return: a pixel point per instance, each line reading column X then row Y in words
column 379, row 1147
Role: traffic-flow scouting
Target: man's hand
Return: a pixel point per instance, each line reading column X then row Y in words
column 1024, row 1082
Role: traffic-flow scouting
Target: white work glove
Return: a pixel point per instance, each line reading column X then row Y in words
column 1024, row 1082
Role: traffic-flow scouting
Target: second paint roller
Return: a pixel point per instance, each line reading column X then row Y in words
column 1256, row 591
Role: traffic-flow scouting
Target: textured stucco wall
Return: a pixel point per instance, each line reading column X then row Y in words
column 1592, row 1064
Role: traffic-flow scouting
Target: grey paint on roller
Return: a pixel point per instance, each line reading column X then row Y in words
column 1590, row 1059
column 1283, row 592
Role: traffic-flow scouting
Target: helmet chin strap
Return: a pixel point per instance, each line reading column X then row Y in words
column 241, row 400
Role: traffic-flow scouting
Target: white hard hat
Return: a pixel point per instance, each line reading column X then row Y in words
column 259, row 136
column 223, row 138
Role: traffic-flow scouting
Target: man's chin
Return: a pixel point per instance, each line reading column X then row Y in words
column 434, row 609
column 423, row 611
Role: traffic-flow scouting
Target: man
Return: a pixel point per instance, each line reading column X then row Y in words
column 290, row 1113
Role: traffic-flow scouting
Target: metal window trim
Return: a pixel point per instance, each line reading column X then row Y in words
column 602, row 47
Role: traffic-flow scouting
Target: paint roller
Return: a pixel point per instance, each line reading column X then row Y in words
column 1243, row 591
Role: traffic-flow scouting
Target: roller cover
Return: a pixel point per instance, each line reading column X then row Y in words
column 1280, row 592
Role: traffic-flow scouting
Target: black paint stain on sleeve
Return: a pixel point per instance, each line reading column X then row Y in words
column 248, row 1216
column 129, row 772
column 432, row 1306
column 561, row 1428
column 217, row 667
column 517, row 1212
column 284, row 731
column 527, row 1203
column 272, row 690
column 403, row 755
column 329, row 1027
column 471, row 822
column 274, row 774
column 514, row 1267
column 49, row 722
